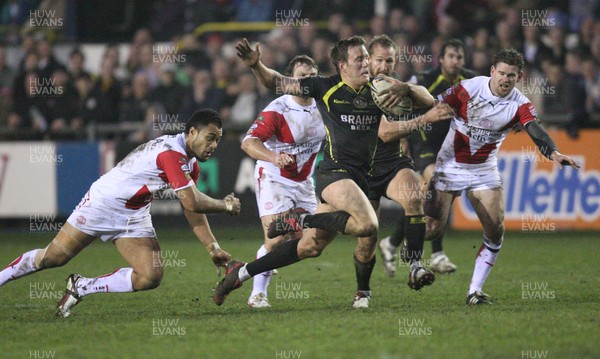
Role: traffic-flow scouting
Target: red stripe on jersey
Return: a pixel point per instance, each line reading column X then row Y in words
column 195, row 172
column 269, row 124
column 462, row 150
column 306, row 169
column 458, row 98
column 140, row 199
column 175, row 167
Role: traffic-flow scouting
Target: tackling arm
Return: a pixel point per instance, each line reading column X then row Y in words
column 393, row 130
column 199, row 224
column 193, row 200
column 255, row 148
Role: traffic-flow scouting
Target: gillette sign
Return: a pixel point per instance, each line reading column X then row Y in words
column 540, row 195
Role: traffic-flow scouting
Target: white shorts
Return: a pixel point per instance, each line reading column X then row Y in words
column 451, row 182
column 275, row 194
column 93, row 217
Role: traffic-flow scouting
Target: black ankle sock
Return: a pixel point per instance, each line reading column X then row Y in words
column 330, row 221
column 398, row 235
column 363, row 273
column 415, row 235
column 436, row 245
column 284, row 254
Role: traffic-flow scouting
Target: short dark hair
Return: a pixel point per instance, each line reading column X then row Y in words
column 300, row 59
column 339, row 53
column 509, row 56
column 203, row 118
column 382, row 40
column 453, row 43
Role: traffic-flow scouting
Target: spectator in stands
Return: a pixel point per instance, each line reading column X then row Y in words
column 7, row 77
column 169, row 93
column 244, row 109
column 203, row 95
column 149, row 65
column 557, row 34
column 59, row 105
column 591, row 76
column 24, row 99
column 565, row 97
column 533, row 48
column 76, row 64
column 87, row 101
column 47, row 63
column 134, row 106
column 108, row 90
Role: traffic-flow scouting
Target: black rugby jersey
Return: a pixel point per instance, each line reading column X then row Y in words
column 435, row 83
column 351, row 121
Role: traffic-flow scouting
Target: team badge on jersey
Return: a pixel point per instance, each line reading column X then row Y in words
column 360, row 103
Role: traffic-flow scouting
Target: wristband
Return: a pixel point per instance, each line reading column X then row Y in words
column 213, row 247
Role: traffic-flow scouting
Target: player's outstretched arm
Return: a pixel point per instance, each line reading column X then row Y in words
column 393, row 130
column 199, row 224
column 256, row 149
column 270, row 78
column 547, row 146
column 193, row 200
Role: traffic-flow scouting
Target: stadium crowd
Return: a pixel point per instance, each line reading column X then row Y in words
column 170, row 70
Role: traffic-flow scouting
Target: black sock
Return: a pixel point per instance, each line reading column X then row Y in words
column 330, row 221
column 398, row 235
column 415, row 235
column 436, row 245
column 363, row 273
column 283, row 255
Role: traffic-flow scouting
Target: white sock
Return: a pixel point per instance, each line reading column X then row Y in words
column 243, row 274
column 483, row 264
column 261, row 281
column 118, row 281
column 20, row 267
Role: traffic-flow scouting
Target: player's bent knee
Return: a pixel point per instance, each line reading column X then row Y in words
column 147, row 281
column 366, row 230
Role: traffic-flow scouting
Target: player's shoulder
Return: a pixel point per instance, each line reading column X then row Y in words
column 517, row 96
column 174, row 142
column 279, row 104
column 474, row 83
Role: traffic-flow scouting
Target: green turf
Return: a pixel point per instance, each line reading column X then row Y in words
column 311, row 315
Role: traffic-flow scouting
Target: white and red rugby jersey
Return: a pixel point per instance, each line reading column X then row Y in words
column 286, row 126
column 152, row 167
column 481, row 123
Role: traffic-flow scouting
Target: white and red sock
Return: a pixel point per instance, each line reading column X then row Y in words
column 118, row 281
column 483, row 264
column 20, row 267
column 261, row 281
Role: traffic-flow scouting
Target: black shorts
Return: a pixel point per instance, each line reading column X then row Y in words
column 384, row 173
column 327, row 174
column 423, row 156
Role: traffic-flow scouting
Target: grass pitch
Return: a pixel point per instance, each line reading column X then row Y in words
column 545, row 288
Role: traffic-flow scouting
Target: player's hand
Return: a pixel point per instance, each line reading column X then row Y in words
column 283, row 159
column 563, row 160
column 245, row 52
column 220, row 258
column 232, row 204
column 439, row 112
column 395, row 93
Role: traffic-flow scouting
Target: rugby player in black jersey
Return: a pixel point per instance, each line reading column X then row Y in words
column 424, row 147
column 393, row 174
column 351, row 119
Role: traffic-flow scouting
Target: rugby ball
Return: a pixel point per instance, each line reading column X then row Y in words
column 403, row 107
